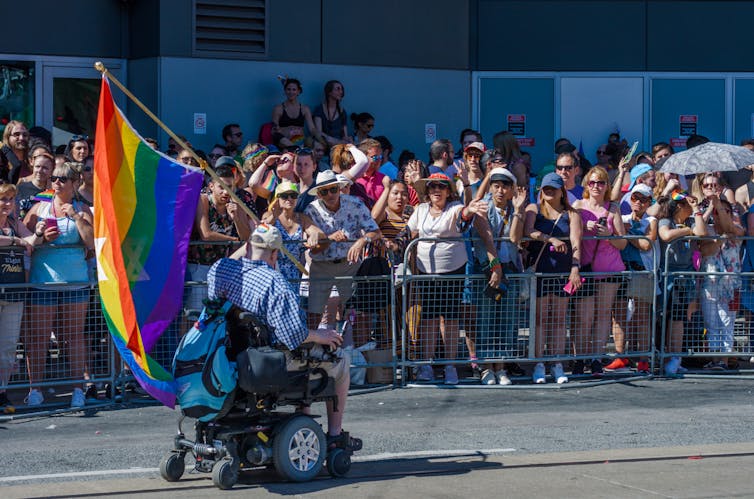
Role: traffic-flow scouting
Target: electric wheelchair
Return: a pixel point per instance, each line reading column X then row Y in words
column 251, row 431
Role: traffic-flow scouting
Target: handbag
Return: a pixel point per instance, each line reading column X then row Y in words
column 525, row 289
column 262, row 370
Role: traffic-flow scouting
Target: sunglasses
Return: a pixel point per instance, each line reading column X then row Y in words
column 329, row 190
column 376, row 157
column 564, row 167
column 639, row 198
column 79, row 137
column 284, row 160
column 288, row 195
column 710, row 186
column 601, row 152
column 596, row 183
column 62, row 179
column 437, row 185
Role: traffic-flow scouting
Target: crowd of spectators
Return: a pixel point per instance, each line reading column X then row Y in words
column 339, row 200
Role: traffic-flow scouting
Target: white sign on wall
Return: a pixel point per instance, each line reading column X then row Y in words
column 430, row 132
column 200, row 123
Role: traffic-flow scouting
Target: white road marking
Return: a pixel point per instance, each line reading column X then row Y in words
column 384, row 456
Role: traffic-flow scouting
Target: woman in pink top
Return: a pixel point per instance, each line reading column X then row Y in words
column 600, row 217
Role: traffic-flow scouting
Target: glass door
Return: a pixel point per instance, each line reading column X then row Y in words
column 70, row 98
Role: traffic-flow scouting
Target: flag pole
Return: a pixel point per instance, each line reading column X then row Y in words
column 203, row 164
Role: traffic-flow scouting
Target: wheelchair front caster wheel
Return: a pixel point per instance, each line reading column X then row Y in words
column 338, row 463
column 223, row 475
column 172, row 466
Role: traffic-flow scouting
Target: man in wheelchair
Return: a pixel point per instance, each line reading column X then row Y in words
column 249, row 281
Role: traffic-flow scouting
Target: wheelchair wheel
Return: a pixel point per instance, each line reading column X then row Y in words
column 338, row 463
column 172, row 466
column 299, row 449
column 223, row 475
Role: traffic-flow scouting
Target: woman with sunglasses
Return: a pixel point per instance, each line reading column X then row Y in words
column 556, row 230
column 85, row 191
column 363, row 124
column 679, row 217
column 330, row 119
column 443, row 217
column 68, row 223
column 600, row 217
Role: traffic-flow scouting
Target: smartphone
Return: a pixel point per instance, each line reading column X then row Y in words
column 494, row 293
column 51, row 222
column 568, row 288
column 602, row 221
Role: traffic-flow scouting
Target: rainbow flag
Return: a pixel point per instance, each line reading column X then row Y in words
column 145, row 204
column 45, row 196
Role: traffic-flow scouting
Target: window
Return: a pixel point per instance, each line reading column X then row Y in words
column 16, row 92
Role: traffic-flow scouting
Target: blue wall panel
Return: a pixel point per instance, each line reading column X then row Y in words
column 743, row 110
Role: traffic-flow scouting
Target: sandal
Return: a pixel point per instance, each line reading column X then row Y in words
column 344, row 441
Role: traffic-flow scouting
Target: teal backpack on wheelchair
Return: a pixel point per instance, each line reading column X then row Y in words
column 206, row 378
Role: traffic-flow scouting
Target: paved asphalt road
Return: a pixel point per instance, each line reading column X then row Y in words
column 545, row 441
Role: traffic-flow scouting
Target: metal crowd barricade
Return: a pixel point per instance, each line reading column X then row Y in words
column 51, row 338
column 509, row 330
column 707, row 315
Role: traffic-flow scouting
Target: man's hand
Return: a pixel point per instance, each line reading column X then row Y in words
column 326, row 337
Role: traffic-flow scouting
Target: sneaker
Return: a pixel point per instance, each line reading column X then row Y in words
column 425, row 373
column 34, row 398
column 488, row 377
column 6, row 404
column 642, row 367
column 596, row 367
column 578, row 368
column 715, row 366
column 78, row 399
column 671, row 367
column 502, row 378
column 539, row 374
column 618, row 365
column 91, row 393
column 557, row 373
column 451, row 376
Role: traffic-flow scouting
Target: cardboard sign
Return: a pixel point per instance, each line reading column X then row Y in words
column 687, row 124
column 517, row 124
column 525, row 141
column 12, row 265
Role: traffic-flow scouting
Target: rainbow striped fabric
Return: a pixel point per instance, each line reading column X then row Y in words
column 144, row 210
column 45, row 196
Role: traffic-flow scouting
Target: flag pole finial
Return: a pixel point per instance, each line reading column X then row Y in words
column 100, row 67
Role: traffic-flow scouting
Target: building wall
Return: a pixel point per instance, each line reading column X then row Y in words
column 402, row 100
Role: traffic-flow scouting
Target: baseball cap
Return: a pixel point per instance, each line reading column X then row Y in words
column 498, row 174
column 225, row 160
column 637, row 171
column 552, row 180
column 267, row 237
column 286, row 186
column 475, row 145
column 642, row 189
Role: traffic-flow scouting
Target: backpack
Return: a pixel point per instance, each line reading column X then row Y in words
column 205, row 376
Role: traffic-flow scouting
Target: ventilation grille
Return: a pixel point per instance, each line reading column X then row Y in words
column 230, row 26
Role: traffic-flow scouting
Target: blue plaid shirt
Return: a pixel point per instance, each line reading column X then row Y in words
column 257, row 288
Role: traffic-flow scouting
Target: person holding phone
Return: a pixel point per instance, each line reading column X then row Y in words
column 68, row 234
column 556, row 230
column 600, row 217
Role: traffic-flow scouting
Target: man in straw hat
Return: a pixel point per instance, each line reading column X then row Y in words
column 248, row 279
